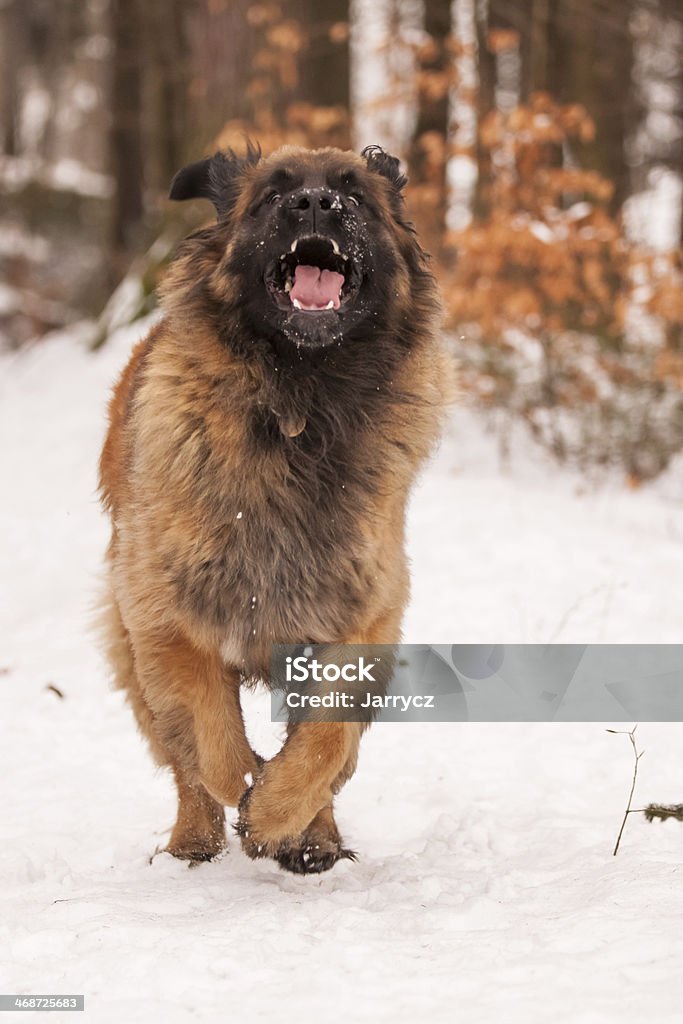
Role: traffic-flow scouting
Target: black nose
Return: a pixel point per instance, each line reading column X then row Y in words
column 314, row 207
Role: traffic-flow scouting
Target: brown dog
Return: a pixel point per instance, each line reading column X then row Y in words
column 262, row 443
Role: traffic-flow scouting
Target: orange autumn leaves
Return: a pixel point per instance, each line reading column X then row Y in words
column 543, row 251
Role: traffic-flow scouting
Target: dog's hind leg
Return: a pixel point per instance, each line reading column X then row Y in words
column 119, row 653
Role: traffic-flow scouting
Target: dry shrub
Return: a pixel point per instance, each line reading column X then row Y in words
column 543, row 290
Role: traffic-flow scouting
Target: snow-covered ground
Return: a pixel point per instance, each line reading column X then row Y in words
column 485, row 890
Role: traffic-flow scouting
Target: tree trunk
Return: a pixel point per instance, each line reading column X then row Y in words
column 591, row 60
column 12, row 23
column 221, row 45
column 168, row 83
column 324, row 77
column 432, row 115
column 428, row 154
column 383, row 88
column 126, row 128
column 461, row 167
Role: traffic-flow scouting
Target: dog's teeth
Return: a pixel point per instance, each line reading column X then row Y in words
column 330, row 304
column 288, row 286
column 296, row 304
column 335, row 246
column 344, row 257
column 294, row 244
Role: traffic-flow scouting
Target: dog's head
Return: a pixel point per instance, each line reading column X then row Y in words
column 312, row 246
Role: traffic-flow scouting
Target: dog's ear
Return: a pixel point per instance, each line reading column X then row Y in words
column 192, row 182
column 388, row 166
column 217, row 178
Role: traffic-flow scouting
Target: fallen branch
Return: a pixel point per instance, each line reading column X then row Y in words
column 637, row 755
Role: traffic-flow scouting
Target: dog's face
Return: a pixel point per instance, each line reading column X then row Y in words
column 314, row 243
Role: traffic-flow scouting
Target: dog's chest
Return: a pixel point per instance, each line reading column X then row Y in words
column 283, row 558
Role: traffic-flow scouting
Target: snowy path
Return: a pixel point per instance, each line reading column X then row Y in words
column 485, row 890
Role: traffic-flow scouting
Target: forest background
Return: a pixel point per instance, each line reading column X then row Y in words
column 543, row 140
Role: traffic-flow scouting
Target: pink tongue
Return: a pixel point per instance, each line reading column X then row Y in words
column 314, row 288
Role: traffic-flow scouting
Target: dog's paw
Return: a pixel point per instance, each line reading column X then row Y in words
column 196, row 845
column 316, row 849
column 193, row 853
column 306, row 856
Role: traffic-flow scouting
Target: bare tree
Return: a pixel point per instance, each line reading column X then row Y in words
column 126, row 125
column 461, row 159
column 167, row 89
column 383, row 72
column 12, row 34
column 590, row 60
column 325, row 70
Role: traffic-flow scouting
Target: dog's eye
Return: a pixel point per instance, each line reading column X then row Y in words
column 356, row 198
column 273, row 198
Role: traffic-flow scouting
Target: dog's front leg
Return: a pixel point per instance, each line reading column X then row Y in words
column 287, row 813
column 197, row 720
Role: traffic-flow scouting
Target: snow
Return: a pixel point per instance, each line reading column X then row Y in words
column 485, row 888
column 64, row 175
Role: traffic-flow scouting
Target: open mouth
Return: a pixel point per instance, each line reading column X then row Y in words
column 315, row 276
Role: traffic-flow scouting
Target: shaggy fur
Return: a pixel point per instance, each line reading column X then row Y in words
column 256, row 471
